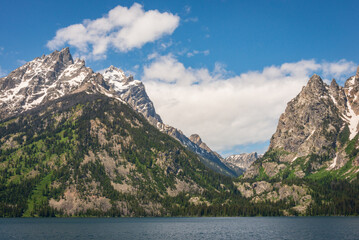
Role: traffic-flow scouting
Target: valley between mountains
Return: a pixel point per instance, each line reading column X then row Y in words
column 74, row 142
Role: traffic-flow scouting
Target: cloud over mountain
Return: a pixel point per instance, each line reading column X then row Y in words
column 122, row 29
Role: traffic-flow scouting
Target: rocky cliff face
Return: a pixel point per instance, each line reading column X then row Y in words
column 133, row 92
column 310, row 122
column 316, row 133
column 241, row 162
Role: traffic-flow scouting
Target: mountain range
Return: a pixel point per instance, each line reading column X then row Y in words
column 77, row 142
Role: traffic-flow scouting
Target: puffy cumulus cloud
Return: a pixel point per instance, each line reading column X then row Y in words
column 167, row 69
column 122, row 29
column 225, row 110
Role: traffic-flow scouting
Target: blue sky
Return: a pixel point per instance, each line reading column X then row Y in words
column 223, row 69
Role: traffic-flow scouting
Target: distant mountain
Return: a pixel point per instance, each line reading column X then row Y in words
column 241, row 162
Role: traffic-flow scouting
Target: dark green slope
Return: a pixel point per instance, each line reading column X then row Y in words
column 92, row 155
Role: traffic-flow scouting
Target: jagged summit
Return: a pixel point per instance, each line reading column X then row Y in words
column 114, row 73
column 315, row 85
column 316, row 138
column 352, row 81
column 334, row 84
column 319, row 122
column 311, row 113
column 131, row 91
column 40, row 80
column 118, row 79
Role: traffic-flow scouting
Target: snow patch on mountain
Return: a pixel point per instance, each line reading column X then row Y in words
column 353, row 121
column 45, row 78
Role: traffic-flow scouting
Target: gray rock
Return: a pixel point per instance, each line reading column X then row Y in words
column 261, row 187
column 252, row 172
column 272, row 168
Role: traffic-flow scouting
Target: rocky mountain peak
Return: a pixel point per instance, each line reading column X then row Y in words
column 334, row 85
column 39, row 80
column 351, row 88
column 352, row 82
column 196, row 139
column 59, row 58
column 309, row 119
column 65, row 55
column 112, row 70
column 315, row 85
column 131, row 91
column 338, row 96
column 118, row 79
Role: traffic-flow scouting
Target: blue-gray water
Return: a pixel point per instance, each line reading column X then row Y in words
column 181, row 228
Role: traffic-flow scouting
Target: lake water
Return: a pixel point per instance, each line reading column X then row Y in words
column 181, row 228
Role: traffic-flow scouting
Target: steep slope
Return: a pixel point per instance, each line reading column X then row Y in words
column 196, row 139
column 89, row 154
column 133, row 92
column 314, row 148
column 315, row 130
column 241, row 162
column 310, row 123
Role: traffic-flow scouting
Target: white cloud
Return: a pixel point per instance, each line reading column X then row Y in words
column 122, row 29
column 338, row 69
column 226, row 111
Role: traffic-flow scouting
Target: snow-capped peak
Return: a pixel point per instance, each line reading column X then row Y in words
column 117, row 79
column 44, row 78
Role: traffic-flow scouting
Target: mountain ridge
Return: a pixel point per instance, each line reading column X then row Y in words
column 57, row 74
